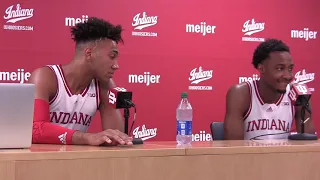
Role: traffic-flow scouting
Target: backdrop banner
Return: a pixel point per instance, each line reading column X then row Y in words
column 201, row 47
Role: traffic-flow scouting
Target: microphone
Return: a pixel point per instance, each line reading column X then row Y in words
column 300, row 95
column 120, row 98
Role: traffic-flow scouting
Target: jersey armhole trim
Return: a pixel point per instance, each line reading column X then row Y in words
column 293, row 112
column 97, row 93
column 57, row 90
column 250, row 106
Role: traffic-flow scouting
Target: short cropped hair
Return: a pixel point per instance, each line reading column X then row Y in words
column 263, row 50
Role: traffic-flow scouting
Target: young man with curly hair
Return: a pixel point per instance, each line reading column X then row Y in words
column 261, row 109
column 68, row 96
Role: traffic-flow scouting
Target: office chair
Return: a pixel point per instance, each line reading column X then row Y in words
column 217, row 130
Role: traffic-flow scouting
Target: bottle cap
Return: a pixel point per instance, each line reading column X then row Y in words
column 184, row 95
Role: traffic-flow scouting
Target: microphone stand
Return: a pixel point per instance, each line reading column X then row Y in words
column 303, row 135
column 126, row 125
column 126, row 115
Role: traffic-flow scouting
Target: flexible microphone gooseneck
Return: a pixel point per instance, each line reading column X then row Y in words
column 126, row 117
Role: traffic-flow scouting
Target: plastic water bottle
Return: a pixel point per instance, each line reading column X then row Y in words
column 184, row 121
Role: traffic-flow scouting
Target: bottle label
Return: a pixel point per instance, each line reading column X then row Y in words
column 184, row 127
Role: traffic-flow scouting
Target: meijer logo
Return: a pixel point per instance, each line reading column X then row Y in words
column 18, row 14
column 146, row 78
column 70, row 21
column 144, row 21
column 305, row 34
column 203, row 28
column 21, row 76
column 245, row 79
column 202, row 136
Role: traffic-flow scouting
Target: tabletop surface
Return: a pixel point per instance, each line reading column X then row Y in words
column 158, row 148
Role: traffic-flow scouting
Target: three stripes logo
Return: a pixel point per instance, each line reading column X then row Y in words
column 63, row 138
column 270, row 109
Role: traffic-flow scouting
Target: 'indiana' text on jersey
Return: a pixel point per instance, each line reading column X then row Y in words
column 67, row 118
column 268, row 124
column 268, row 121
column 73, row 111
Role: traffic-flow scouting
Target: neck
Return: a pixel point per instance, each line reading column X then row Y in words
column 77, row 75
column 267, row 94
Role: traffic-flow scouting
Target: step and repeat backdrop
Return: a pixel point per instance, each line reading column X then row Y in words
column 202, row 47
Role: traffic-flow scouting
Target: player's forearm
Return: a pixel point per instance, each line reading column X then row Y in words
column 44, row 132
column 116, row 124
column 113, row 120
column 48, row 133
column 119, row 122
column 79, row 138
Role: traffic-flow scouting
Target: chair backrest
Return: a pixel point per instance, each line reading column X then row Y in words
column 217, row 130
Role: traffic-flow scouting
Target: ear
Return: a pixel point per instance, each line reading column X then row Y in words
column 88, row 54
column 261, row 68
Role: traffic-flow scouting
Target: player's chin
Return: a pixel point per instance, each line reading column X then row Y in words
column 282, row 91
column 282, row 86
column 106, row 78
column 109, row 75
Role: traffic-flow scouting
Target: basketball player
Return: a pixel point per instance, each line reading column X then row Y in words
column 68, row 96
column 261, row 109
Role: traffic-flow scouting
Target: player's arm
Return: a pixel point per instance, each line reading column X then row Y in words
column 111, row 118
column 308, row 126
column 237, row 103
column 45, row 132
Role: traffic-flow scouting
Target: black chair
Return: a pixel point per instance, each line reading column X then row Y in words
column 217, row 130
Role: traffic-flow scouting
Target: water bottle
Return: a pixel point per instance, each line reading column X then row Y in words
column 184, row 121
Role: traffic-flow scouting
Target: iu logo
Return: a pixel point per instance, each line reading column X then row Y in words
column 112, row 98
column 302, row 89
column 293, row 95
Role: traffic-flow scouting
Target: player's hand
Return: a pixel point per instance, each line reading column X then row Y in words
column 110, row 137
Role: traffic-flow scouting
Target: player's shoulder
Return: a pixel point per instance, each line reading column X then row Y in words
column 241, row 89
column 238, row 98
column 45, row 81
column 43, row 73
column 44, row 78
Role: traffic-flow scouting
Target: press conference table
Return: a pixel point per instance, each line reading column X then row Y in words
column 232, row 160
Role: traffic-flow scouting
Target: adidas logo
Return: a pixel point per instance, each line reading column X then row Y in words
column 269, row 109
column 63, row 137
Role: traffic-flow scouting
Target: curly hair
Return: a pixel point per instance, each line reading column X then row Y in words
column 94, row 29
column 262, row 52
